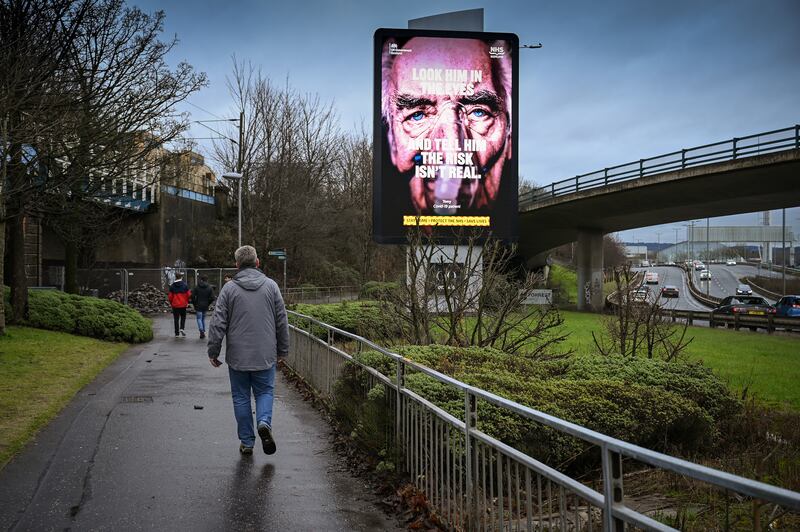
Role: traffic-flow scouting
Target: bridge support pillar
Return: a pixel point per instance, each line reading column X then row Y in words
column 589, row 257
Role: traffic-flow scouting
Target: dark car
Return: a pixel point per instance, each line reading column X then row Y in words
column 749, row 305
column 669, row 291
column 788, row 306
column 744, row 290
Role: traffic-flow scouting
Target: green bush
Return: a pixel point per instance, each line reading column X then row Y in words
column 336, row 273
column 85, row 316
column 363, row 318
column 378, row 290
column 659, row 405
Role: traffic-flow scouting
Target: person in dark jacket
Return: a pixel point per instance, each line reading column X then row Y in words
column 179, row 295
column 251, row 317
column 202, row 297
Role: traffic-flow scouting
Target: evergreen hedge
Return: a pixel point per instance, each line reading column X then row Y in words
column 85, row 316
column 666, row 406
column 362, row 318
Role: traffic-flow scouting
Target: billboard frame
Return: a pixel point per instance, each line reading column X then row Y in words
column 379, row 229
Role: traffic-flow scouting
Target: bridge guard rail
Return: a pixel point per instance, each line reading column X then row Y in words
column 472, row 480
column 728, row 150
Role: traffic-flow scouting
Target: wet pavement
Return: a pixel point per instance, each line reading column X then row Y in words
column 151, row 445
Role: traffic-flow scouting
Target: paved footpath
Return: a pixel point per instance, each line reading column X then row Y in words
column 133, row 451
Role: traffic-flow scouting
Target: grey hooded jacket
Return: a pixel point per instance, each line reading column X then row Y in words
column 251, row 316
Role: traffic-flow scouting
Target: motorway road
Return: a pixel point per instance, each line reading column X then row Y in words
column 671, row 275
column 725, row 279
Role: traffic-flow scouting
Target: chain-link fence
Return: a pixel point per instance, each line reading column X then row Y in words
column 120, row 282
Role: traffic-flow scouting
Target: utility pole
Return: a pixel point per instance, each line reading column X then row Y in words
column 708, row 258
column 676, row 243
column 658, row 247
column 688, row 256
column 239, row 167
column 783, row 249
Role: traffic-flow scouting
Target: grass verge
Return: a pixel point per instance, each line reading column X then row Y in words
column 42, row 371
column 766, row 366
column 565, row 279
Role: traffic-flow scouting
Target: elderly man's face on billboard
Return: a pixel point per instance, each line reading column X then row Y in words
column 478, row 115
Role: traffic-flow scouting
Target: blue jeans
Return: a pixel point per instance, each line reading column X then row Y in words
column 263, row 385
column 201, row 320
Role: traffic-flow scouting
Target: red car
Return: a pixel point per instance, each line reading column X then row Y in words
column 670, row 291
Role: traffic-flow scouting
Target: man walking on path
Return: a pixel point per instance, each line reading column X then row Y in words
column 202, row 297
column 251, row 316
column 179, row 295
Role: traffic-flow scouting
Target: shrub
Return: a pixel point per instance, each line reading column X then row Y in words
column 363, row 318
column 378, row 290
column 337, row 273
column 86, row 316
column 659, row 405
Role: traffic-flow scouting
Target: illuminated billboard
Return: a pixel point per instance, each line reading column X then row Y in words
column 445, row 133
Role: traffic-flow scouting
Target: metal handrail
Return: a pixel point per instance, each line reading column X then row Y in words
column 613, row 449
column 735, row 148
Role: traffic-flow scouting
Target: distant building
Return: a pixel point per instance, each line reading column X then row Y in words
column 168, row 202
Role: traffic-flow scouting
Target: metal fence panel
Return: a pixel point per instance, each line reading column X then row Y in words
column 475, row 482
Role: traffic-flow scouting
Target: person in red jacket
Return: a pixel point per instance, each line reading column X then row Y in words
column 179, row 295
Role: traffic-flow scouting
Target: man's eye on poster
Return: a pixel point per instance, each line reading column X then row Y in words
column 445, row 134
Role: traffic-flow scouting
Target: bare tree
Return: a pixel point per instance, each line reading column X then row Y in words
column 307, row 185
column 85, row 103
column 471, row 295
column 353, row 196
column 123, row 97
column 613, row 252
column 35, row 37
column 639, row 326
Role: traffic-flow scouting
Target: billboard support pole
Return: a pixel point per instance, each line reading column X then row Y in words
column 469, row 20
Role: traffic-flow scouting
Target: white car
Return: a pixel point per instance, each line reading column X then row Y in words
column 731, row 262
column 705, row 275
column 651, row 278
column 641, row 295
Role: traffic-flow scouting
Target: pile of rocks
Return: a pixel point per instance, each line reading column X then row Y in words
column 147, row 299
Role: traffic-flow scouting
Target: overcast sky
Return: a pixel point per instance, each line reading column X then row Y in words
column 614, row 82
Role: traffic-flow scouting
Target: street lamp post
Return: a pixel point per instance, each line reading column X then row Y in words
column 676, row 243
column 658, row 246
column 237, row 176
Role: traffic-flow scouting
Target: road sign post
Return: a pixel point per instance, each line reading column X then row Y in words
column 280, row 254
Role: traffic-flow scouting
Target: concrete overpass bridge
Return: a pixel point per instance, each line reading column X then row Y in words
column 745, row 174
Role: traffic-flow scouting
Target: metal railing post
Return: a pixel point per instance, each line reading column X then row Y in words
column 553, row 189
column 734, row 147
column 328, row 370
column 641, row 167
column 612, row 489
column 398, row 410
column 683, row 158
column 126, row 285
column 470, row 424
column 605, row 176
column 797, row 136
column 577, row 185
